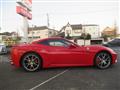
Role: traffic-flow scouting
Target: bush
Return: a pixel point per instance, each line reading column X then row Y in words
column 68, row 36
column 85, row 36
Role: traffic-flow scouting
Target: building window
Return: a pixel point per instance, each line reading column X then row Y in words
column 77, row 31
column 68, row 31
column 38, row 32
column 50, row 32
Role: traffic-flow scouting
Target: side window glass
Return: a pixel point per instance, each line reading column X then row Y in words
column 59, row 44
column 44, row 42
column 56, row 43
column 52, row 43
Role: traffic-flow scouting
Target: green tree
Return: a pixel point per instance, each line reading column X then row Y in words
column 82, row 36
column 105, row 37
column 88, row 36
column 85, row 36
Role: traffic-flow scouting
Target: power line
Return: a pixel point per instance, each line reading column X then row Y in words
column 86, row 12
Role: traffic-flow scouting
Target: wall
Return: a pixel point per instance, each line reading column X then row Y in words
column 38, row 34
column 68, row 30
column 81, row 42
column 77, row 32
column 92, row 30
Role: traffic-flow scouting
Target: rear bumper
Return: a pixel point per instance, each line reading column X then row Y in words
column 14, row 59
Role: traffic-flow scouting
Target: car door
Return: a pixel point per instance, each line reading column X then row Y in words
column 58, row 52
column 78, row 55
column 63, row 54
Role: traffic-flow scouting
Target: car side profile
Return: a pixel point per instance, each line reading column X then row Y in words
column 113, row 43
column 3, row 49
column 60, row 52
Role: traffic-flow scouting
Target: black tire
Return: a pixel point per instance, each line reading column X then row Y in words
column 103, row 60
column 31, row 62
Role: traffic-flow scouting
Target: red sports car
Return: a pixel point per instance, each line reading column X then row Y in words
column 59, row 52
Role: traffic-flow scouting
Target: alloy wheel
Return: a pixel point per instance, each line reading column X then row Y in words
column 103, row 60
column 31, row 62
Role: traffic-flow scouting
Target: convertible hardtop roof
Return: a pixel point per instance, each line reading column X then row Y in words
column 47, row 39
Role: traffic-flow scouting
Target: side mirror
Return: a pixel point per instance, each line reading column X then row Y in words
column 72, row 46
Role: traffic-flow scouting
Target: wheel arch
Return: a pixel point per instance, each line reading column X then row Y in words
column 33, row 53
column 100, row 52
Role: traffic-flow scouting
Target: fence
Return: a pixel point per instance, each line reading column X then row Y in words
column 88, row 42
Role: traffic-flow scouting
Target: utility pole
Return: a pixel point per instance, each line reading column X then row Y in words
column 115, row 29
column 84, row 35
column 25, row 30
column 48, row 24
column 32, row 32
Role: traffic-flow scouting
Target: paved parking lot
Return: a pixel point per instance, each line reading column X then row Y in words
column 73, row 78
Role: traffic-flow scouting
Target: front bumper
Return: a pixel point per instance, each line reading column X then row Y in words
column 114, row 58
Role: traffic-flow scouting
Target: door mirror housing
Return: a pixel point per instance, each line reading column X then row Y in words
column 72, row 46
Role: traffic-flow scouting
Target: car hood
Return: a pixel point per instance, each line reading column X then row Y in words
column 96, row 48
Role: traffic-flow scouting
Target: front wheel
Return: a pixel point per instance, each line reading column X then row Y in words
column 103, row 60
column 31, row 62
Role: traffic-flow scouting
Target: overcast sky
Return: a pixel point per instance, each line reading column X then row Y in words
column 101, row 12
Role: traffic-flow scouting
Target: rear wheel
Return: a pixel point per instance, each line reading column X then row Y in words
column 31, row 62
column 103, row 60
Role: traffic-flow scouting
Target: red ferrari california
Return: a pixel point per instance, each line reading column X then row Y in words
column 60, row 52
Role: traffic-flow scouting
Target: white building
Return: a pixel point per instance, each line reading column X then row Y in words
column 41, row 32
column 92, row 29
column 72, row 30
column 76, row 30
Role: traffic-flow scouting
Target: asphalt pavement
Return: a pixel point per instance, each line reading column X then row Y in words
column 72, row 78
